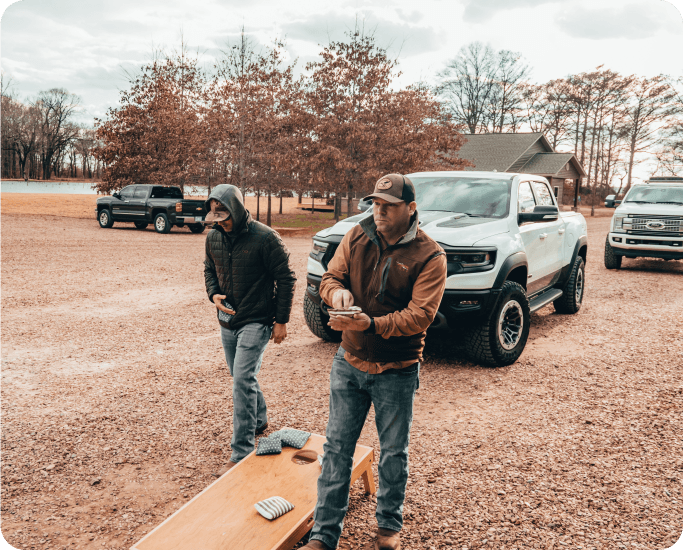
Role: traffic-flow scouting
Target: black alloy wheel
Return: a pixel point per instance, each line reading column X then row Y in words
column 500, row 338
column 197, row 227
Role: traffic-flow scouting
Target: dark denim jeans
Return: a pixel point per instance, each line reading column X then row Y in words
column 351, row 393
column 244, row 349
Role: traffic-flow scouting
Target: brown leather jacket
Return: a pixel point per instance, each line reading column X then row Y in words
column 400, row 286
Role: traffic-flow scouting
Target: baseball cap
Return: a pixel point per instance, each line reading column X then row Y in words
column 393, row 188
column 218, row 213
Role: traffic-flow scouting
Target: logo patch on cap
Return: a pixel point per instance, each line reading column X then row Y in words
column 384, row 185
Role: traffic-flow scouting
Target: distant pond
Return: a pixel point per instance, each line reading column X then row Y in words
column 67, row 187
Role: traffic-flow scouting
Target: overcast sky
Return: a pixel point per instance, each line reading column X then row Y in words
column 86, row 47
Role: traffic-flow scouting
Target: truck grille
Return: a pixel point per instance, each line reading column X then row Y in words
column 643, row 225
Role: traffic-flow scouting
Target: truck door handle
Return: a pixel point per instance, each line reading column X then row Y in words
column 543, row 235
column 561, row 231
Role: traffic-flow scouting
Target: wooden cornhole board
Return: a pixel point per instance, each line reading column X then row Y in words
column 223, row 517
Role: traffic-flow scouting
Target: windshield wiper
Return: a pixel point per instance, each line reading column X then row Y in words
column 644, row 202
column 668, row 202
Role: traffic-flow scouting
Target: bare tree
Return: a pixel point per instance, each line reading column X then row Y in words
column 56, row 108
column 505, row 101
column 652, row 106
column 467, row 85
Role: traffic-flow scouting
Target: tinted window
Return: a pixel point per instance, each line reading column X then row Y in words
column 543, row 193
column 127, row 192
column 141, row 193
column 656, row 194
column 166, row 193
column 525, row 201
column 474, row 196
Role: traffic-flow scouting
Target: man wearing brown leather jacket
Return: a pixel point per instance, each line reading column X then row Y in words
column 397, row 274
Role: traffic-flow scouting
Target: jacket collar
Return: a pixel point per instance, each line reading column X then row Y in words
column 370, row 229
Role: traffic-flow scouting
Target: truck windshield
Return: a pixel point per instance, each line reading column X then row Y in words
column 655, row 194
column 480, row 197
column 166, row 193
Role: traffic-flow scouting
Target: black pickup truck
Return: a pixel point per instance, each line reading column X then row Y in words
column 145, row 204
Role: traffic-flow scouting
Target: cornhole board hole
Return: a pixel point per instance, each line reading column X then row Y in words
column 223, row 517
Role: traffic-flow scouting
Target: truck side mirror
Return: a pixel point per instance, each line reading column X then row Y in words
column 541, row 213
column 116, row 195
column 363, row 206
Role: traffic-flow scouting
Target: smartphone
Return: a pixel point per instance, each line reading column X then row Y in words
column 348, row 311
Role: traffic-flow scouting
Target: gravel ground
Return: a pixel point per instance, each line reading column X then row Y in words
column 116, row 403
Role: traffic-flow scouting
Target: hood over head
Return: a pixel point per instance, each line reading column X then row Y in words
column 230, row 197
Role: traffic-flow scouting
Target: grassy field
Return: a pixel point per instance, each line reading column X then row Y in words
column 83, row 206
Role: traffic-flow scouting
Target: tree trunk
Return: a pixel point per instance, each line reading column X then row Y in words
column 337, row 206
column 349, row 201
column 631, row 157
column 258, row 204
column 280, row 202
column 312, row 202
column 268, row 218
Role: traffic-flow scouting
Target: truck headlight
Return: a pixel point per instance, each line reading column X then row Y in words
column 618, row 224
column 470, row 261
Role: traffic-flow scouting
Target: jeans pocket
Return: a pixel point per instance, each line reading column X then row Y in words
column 409, row 370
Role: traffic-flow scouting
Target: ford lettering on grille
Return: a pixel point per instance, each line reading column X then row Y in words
column 655, row 224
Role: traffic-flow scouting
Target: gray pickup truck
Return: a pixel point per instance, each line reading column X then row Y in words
column 145, row 204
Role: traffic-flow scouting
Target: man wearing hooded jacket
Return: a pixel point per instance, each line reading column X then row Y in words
column 250, row 281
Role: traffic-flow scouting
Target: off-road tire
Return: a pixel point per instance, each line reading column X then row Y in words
column 161, row 224
column 574, row 289
column 317, row 321
column 140, row 225
column 612, row 260
column 105, row 219
column 483, row 341
column 196, row 227
column 181, row 224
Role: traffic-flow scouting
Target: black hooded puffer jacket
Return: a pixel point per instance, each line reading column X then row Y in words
column 249, row 265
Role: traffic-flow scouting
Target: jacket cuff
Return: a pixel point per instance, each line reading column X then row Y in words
column 281, row 320
column 381, row 325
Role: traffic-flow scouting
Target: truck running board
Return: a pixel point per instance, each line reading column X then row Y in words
column 537, row 302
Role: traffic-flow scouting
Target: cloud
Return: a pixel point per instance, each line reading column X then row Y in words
column 409, row 39
column 632, row 21
column 479, row 11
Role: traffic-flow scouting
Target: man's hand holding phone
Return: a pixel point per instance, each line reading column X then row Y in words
column 343, row 300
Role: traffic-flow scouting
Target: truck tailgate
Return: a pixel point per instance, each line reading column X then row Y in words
column 193, row 208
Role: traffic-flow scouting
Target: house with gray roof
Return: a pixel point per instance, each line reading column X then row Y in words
column 528, row 153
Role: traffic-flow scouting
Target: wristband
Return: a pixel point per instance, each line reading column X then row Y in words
column 371, row 328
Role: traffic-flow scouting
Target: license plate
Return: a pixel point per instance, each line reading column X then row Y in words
column 198, row 219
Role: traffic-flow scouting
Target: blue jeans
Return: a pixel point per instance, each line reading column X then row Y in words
column 351, row 393
column 244, row 349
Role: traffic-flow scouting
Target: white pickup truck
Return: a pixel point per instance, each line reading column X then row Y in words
column 648, row 223
column 509, row 252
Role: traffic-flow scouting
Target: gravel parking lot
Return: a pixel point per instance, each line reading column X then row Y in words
column 116, row 402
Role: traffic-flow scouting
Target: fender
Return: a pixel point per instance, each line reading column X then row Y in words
column 567, row 269
column 511, row 262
